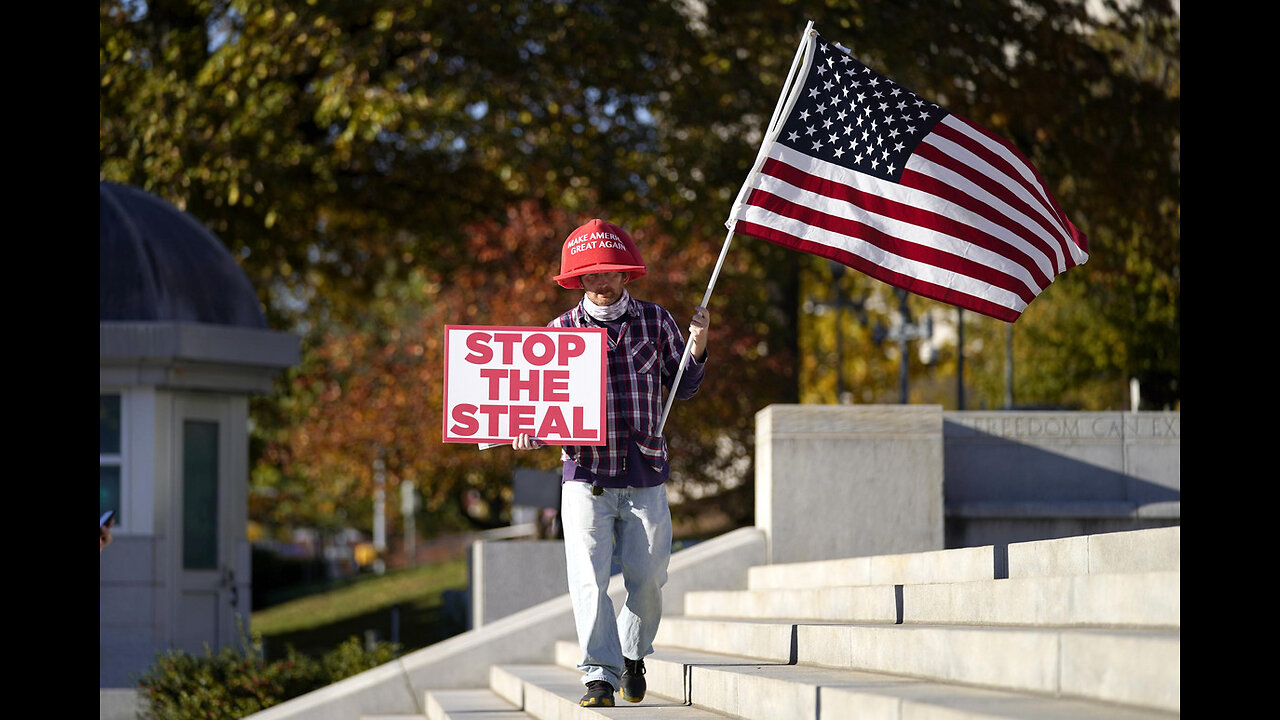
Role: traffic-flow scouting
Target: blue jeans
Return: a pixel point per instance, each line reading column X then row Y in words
column 634, row 524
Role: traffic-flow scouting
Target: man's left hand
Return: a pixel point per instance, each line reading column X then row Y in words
column 698, row 332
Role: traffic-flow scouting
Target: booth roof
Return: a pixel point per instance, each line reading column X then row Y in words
column 159, row 264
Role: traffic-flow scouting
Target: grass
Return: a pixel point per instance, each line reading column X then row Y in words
column 317, row 623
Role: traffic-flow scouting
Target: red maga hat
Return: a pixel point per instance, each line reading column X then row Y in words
column 598, row 247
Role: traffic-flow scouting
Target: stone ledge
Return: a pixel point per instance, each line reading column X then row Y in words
column 1066, row 509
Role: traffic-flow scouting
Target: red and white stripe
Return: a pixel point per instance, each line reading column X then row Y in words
column 970, row 223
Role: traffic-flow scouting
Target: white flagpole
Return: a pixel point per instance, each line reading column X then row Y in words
column 765, row 144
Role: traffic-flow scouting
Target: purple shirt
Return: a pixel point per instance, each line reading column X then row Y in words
column 645, row 348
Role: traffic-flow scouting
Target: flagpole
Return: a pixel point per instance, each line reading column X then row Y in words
column 770, row 135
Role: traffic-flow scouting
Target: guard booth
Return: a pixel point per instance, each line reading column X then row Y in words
column 183, row 344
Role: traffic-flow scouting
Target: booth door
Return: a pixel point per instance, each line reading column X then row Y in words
column 204, row 462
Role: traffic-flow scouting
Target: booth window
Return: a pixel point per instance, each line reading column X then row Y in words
column 199, row 495
column 109, row 455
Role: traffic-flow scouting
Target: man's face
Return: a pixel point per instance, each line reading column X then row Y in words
column 604, row 288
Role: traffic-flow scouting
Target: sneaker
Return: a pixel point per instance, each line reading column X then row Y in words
column 599, row 694
column 633, row 685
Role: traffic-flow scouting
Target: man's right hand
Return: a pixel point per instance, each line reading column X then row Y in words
column 524, row 441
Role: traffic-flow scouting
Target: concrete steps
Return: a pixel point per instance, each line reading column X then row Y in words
column 1085, row 627
column 1148, row 599
column 1137, row 667
column 743, row 687
column 551, row 692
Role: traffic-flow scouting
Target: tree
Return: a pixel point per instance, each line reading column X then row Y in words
column 374, row 391
column 1091, row 94
column 360, row 158
column 346, row 152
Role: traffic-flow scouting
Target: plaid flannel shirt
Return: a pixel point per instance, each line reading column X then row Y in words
column 641, row 361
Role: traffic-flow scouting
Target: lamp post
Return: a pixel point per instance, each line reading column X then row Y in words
column 408, row 506
column 904, row 332
column 959, row 358
column 379, row 513
column 1008, row 367
column 838, row 303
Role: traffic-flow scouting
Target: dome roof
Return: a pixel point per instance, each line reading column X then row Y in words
column 159, row 264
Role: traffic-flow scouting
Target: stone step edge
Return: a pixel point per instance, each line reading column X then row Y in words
column 764, row 692
column 470, row 704
column 1081, row 662
column 949, row 565
column 1124, row 551
column 550, row 692
column 1147, row 599
column 666, row 670
column 687, row 671
column 778, row 639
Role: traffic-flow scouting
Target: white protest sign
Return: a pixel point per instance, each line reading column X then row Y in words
column 504, row 381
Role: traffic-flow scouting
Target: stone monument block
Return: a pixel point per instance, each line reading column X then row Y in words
column 839, row 481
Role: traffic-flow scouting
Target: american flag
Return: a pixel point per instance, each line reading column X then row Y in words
column 865, row 172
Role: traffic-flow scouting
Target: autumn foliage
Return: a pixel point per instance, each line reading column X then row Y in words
column 372, row 391
column 381, row 169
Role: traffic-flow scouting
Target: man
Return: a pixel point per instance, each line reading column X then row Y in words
column 614, row 497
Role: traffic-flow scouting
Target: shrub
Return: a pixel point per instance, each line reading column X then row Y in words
column 235, row 682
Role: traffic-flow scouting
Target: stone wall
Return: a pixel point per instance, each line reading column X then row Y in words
column 1015, row 476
